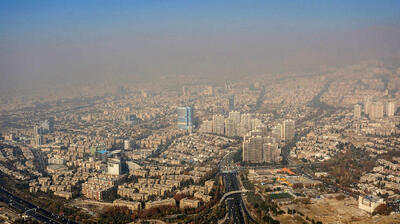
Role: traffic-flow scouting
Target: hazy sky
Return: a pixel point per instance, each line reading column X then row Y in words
column 55, row 40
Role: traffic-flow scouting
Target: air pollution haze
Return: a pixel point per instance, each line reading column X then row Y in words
column 204, row 112
column 46, row 42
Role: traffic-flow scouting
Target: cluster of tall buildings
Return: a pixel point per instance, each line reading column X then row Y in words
column 259, row 148
column 260, row 145
column 41, row 129
column 284, row 132
column 236, row 124
column 131, row 119
column 375, row 109
column 44, row 127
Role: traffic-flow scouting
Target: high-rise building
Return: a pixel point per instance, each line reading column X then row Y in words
column 51, row 124
column 227, row 85
column 230, row 128
column 219, row 124
column 271, row 153
column 254, row 123
column 390, row 109
column 245, row 118
column 232, row 124
column 367, row 104
column 231, row 103
column 258, row 148
column 245, row 123
column 206, row 127
column 235, row 116
column 288, row 130
column 185, row 117
column 210, row 91
column 184, row 91
column 38, row 140
column 37, row 130
column 277, row 132
column 44, row 127
column 114, row 167
column 236, row 124
column 262, row 129
column 357, row 111
column 253, row 149
column 131, row 119
column 127, row 144
column 376, row 110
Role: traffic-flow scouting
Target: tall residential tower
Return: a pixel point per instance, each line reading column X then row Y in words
column 185, row 117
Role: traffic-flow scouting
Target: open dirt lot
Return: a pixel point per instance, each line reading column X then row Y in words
column 91, row 205
column 337, row 211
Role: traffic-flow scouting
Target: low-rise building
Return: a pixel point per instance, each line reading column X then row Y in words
column 369, row 203
column 189, row 203
column 132, row 205
column 64, row 194
column 155, row 204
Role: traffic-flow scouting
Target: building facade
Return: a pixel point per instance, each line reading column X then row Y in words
column 288, row 130
column 185, row 118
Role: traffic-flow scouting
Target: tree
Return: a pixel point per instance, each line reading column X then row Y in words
column 340, row 197
column 115, row 214
column 24, row 221
column 297, row 186
column 179, row 197
column 382, row 209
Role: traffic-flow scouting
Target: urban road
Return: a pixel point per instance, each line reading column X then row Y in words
column 31, row 210
column 235, row 206
column 237, row 211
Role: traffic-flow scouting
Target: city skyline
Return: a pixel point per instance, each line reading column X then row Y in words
column 244, row 112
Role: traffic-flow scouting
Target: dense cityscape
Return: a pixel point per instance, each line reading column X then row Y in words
column 200, row 112
column 307, row 148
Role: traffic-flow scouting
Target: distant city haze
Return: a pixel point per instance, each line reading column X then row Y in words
column 49, row 42
column 175, row 111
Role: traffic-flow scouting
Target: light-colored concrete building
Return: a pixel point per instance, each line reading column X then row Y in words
column 369, row 203
column 189, row 203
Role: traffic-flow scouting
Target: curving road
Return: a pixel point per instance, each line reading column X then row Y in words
column 32, row 210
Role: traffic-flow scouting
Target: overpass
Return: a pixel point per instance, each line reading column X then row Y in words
column 228, row 171
column 232, row 193
column 32, row 209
